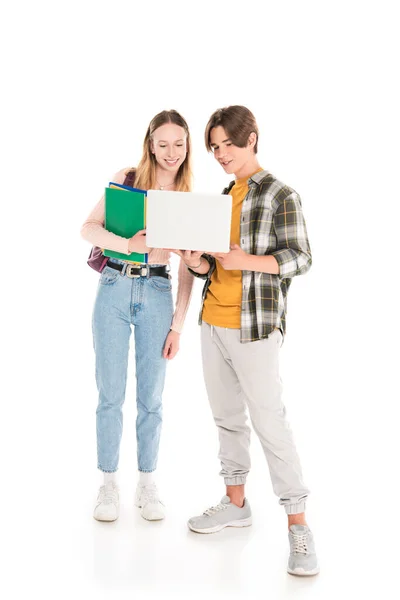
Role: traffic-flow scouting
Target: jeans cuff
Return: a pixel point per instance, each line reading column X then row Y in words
column 107, row 470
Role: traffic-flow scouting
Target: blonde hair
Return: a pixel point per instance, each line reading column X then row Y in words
column 145, row 178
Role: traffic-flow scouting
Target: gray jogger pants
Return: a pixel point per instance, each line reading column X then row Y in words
column 247, row 375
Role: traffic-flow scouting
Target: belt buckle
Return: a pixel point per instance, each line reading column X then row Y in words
column 130, row 272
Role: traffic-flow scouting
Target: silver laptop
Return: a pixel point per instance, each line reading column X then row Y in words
column 188, row 221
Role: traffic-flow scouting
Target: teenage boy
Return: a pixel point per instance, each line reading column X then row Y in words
column 243, row 320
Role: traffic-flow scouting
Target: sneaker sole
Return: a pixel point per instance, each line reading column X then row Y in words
column 148, row 518
column 241, row 523
column 105, row 519
column 302, row 573
column 153, row 518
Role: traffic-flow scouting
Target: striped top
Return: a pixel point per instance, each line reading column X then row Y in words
column 93, row 231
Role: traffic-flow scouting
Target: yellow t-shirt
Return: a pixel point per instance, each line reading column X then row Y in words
column 222, row 305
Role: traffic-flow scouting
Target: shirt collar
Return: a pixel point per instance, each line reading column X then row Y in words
column 256, row 178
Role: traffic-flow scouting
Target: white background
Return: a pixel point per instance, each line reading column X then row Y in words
column 81, row 81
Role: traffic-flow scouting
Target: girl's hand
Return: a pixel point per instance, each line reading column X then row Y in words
column 137, row 243
column 171, row 345
column 191, row 258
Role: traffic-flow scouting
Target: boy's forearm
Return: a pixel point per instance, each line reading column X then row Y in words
column 262, row 264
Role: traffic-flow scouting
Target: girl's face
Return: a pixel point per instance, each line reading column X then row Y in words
column 168, row 145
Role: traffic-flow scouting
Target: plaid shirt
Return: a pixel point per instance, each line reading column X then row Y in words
column 271, row 223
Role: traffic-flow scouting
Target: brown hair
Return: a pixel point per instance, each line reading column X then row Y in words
column 238, row 122
column 146, row 170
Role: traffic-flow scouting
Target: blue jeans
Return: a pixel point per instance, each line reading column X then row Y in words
column 146, row 303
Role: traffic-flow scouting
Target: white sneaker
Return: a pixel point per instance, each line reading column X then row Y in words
column 147, row 499
column 107, row 507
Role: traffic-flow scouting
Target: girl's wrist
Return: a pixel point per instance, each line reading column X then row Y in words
column 196, row 266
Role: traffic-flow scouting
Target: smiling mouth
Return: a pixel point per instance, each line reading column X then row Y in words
column 224, row 164
column 171, row 162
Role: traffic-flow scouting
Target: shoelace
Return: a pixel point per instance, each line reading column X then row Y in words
column 107, row 495
column 214, row 509
column 150, row 493
column 300, row 543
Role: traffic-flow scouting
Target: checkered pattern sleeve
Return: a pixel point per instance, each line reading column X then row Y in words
column 293, row 252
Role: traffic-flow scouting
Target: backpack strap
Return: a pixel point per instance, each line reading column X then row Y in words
column 130, row 178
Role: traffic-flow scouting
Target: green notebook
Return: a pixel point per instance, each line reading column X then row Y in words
column 125, row 216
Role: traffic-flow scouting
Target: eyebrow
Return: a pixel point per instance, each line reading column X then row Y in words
column 223, row 142
column 166, row 141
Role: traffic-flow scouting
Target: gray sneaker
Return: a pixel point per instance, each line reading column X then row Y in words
column 225, row 514
column 302, row 559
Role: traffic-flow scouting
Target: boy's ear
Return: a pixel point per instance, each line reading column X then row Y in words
column 252, row 139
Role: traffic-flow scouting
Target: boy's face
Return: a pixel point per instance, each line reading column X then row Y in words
column 230, row 157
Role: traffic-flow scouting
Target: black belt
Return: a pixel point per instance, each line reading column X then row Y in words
column 134, row 271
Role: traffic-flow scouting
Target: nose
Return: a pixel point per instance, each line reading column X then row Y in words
column 219, row 153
